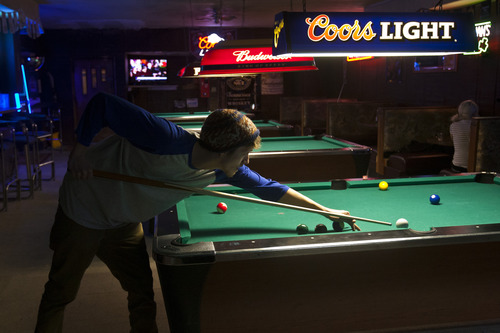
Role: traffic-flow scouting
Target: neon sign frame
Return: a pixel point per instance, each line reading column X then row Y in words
column 206, row 43
column 337, row 34
column 483, row 33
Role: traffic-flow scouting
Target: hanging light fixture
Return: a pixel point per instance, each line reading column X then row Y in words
column 250, row 57
column 320, row 34
column 12, row 21
column 192, row 70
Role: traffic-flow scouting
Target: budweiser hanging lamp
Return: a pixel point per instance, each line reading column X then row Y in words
column 250, row 57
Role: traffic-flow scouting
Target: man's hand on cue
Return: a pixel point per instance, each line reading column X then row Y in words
column 345, row 219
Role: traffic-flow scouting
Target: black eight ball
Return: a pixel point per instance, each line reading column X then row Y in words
column 320, row 228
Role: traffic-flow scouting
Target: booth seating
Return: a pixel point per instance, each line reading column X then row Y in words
column 316, row 116
column 484, row 148
column 291, row 112
column 354, row 121
column 313, row 116
column 413, row 141
column 350, row 120
column 413, row 164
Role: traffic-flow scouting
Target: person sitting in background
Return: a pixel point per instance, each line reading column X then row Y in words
column 460, row 134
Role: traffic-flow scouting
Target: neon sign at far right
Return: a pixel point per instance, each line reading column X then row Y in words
column 483, row 32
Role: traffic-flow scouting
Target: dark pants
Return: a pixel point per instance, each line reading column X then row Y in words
column 455, row 168
column 123, row 250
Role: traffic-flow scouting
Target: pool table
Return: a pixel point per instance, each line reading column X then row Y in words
column 310, row 158
column 267, row 128
column 249, row 271
column 180, row 117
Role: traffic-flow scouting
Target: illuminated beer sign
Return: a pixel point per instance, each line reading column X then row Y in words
column 250, row 59
column 203, row 40
column 483, row 32
column 207, row 42
column 373, row 34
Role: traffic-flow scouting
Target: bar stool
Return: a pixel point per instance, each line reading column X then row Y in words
column 9, row 173
column 57, row 135
column 43, row 154
column 34, row 135
column 25, row 143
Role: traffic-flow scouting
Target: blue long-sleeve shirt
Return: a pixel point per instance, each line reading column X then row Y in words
column 144, row 146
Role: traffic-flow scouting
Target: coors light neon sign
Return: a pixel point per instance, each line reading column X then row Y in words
column 357, row 34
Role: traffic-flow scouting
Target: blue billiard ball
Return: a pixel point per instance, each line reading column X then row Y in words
column 434, row 199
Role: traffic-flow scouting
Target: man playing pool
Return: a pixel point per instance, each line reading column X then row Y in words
column 101, row 217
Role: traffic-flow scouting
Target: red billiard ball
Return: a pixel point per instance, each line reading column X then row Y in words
column 221, row 208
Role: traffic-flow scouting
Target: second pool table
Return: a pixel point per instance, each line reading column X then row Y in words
column 181, row 117
column 248, row 271
column 310, row 158
column 267, row 128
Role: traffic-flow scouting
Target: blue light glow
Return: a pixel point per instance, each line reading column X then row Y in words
column 26, row 90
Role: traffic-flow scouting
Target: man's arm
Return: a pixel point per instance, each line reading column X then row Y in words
column 138, row 126
column 143, row 129
column 292, row 197
column 268, row 189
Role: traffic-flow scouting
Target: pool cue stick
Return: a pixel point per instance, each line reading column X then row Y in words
column 156, row 183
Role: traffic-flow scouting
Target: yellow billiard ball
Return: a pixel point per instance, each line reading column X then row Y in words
column 383, row 185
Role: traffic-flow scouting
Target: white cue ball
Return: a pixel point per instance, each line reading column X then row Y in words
column 402, row 223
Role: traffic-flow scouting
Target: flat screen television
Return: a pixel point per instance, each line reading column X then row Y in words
column 147, row 70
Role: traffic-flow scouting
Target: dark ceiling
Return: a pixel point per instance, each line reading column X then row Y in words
column 138, row 14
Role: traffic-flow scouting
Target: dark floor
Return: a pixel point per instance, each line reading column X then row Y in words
column 101, row 303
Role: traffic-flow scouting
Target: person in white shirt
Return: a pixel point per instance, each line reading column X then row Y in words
column 460, row 134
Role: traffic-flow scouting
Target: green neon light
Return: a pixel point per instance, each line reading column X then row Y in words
column 482, row 43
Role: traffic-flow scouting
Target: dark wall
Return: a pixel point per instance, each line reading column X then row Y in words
column 9, row 63
column 476, row 77
column 62, row 47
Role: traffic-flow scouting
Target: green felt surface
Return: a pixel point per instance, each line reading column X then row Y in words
column 289, row 143
column 181, row 114
column 186, row 114
column 463, row 202
column 258, row 123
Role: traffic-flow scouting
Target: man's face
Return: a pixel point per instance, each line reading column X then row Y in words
column 233, row 160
